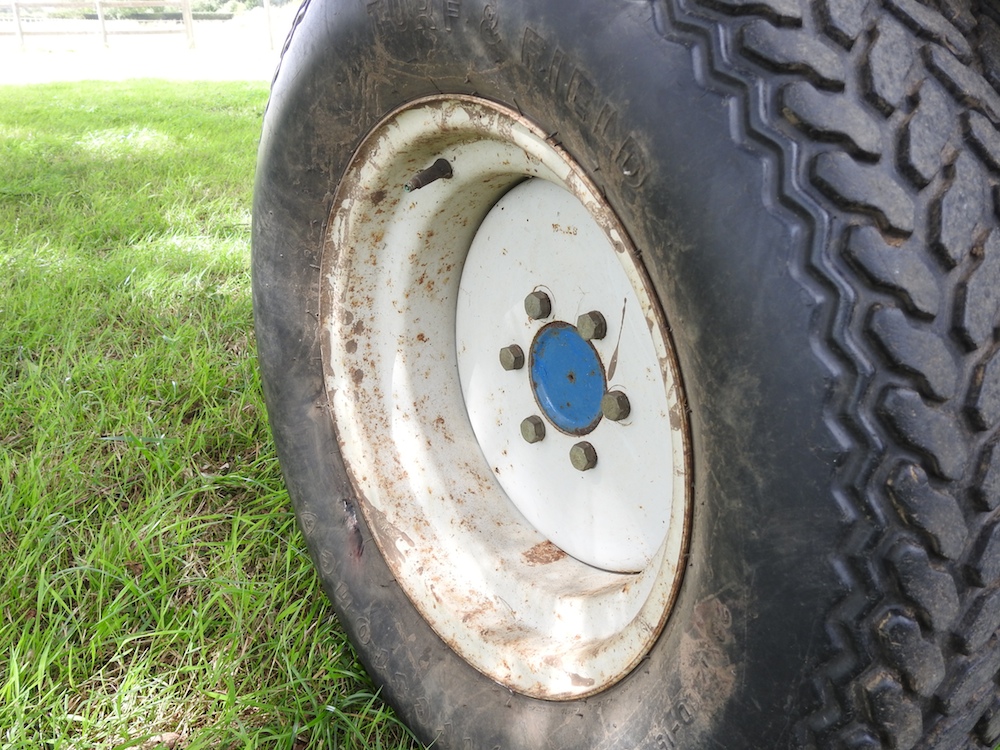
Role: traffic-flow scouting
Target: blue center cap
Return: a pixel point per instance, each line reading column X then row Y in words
column 567, row 378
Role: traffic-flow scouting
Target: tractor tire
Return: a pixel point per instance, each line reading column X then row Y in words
column 632, row 365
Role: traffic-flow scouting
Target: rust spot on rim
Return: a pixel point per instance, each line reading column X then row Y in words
column 543, row 553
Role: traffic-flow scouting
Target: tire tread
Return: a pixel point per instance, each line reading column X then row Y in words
column 887, row 110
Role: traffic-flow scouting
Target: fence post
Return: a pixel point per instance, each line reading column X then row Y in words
column 100, row 19
column 188, row 21
column 17, row 23
column 267, row 16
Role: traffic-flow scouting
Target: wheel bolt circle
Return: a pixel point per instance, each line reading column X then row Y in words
column 592, row 325
column 615, row 406
column 583, row 456
column 532, row 429
column 538, row 305
column 512, row 357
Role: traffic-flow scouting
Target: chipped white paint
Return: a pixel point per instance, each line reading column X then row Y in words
column 487, row 575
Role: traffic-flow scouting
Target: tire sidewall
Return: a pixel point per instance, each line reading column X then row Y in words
column 730, row 266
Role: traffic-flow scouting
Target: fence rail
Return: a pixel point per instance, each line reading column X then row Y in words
column 102, row 28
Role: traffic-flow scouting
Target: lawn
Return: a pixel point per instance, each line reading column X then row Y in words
column 155, row 591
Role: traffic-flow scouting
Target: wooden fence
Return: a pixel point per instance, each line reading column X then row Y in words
column 35, row 17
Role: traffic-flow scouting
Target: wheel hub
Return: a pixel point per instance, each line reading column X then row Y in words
column 609, row 501
column 567, row 378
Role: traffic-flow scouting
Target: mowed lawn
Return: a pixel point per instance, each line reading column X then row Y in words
column 154, row 591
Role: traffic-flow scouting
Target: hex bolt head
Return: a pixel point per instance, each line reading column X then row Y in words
column 592, row 325
column 512, row 357
column 538, row 305
column 583, row 456
column 532, row 429
column 615, row 406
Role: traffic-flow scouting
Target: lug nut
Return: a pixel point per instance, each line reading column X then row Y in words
column 538, row 305
column 583, row 456
column 532, row 429
column 592, row 325
column 615, row 406
column 512, row 357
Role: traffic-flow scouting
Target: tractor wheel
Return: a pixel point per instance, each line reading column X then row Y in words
column 632, row 365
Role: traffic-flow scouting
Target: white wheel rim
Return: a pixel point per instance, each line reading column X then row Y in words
column 551, row 580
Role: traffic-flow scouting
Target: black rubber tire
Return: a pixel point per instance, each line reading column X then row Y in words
column 812, row 186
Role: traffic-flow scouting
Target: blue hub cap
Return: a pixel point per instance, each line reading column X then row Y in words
column 567, row 378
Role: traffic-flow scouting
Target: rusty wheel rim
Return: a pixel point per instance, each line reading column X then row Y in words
column 496, row 578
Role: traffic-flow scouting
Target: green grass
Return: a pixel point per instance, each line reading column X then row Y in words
column 153, row 580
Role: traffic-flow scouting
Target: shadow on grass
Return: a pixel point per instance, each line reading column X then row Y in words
column 128, row 161
column 156, row 587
